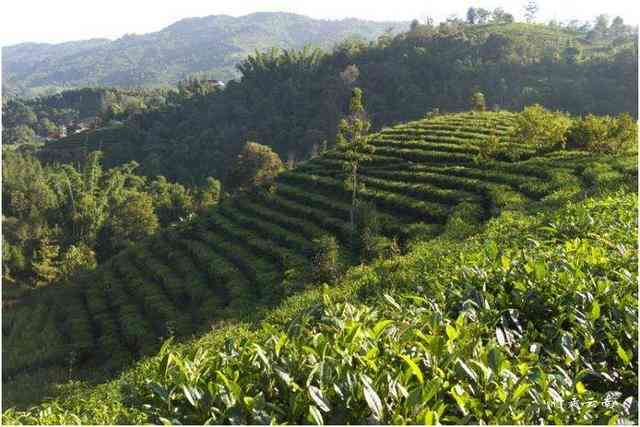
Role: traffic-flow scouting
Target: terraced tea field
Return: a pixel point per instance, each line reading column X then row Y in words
column 179, row 281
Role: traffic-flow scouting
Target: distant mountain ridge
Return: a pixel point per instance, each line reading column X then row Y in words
column 211, row 45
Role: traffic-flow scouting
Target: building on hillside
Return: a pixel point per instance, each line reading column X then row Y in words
column 216, row 83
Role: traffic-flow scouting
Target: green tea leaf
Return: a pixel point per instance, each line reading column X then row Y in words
column 318, row 398
column 452, row 332
column 622, row 354
column 372, row 399
column 468, row 371
column 595, row 310
column 415, row 370
column 316, row 415
column 380, row 327
column 392, row 301
column 520, row 390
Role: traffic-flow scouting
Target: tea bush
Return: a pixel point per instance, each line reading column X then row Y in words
column 543, row 129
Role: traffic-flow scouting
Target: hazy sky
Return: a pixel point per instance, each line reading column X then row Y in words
column 56, row 21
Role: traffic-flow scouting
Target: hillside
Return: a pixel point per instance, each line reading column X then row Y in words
column 209, row 45
column 427, row 179
column 293, row 100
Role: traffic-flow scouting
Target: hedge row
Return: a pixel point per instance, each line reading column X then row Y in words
column 166, row 315
column 302, row 204
column 301, row 226
column 392, row 202
column 268, row 230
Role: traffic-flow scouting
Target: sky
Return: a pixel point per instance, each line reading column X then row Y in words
column 55, row 21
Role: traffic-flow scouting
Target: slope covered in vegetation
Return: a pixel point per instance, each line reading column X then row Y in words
column 532, row 320
column 428, row 178
column 210, row 45
column 292, row 100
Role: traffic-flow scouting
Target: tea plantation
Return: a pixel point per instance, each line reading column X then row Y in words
column 514, row 299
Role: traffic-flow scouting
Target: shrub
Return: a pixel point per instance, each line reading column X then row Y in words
column 368, row 227
column 543, row 129
column 77, row 258
column 463, row 221
column 256, row 165
column 604, row 134
column 326, row 266
column 478, row 102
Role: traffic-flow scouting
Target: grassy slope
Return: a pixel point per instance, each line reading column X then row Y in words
column 560, row 260
column 422, row 170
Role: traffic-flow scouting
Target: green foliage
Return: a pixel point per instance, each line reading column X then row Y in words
column 84, row 213
column 326, row 264
column 478, row 102
column 293, row 100
column 353, row 145
column 21, row 134
column 533, row 320
column 463, row 222
column 542, row 129
column 256, row 166
column 133, row 218
column 180, row 51
column 173, row 201
column 498, row 358
column 425, row 196
column 44, row 263
column 604, row 134
column 77, row 259
column 208, row 195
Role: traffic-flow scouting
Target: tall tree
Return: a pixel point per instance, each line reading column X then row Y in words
column 472, row 15
column 478, row 102
column 531, row 10
column 352, row 141
column 257, row 165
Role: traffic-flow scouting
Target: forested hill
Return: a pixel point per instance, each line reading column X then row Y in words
column 211, row 45
column 292, row 100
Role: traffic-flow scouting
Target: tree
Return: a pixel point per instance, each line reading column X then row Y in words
column 350, row 74
column 605, row 134
column 472, row 15
column 352, row 141
column 208, row 195
column 326, row 266
column 617, row 28
column 131, row 220
column 531, row 11
column 543, row 129
column 483, row 16
column 21, row 134
column 499, row 16
column 601, row 27
column 496, row 48
column 50, row 129
column 572, row 54
column 478, row 102
column 171, row 200
column 45, row 263
column 76, row 259
column 257, row 165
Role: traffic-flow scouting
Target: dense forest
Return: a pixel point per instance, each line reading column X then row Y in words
column 206, row 46
column 33, row 121
column 59, row 221
column 292, row 100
